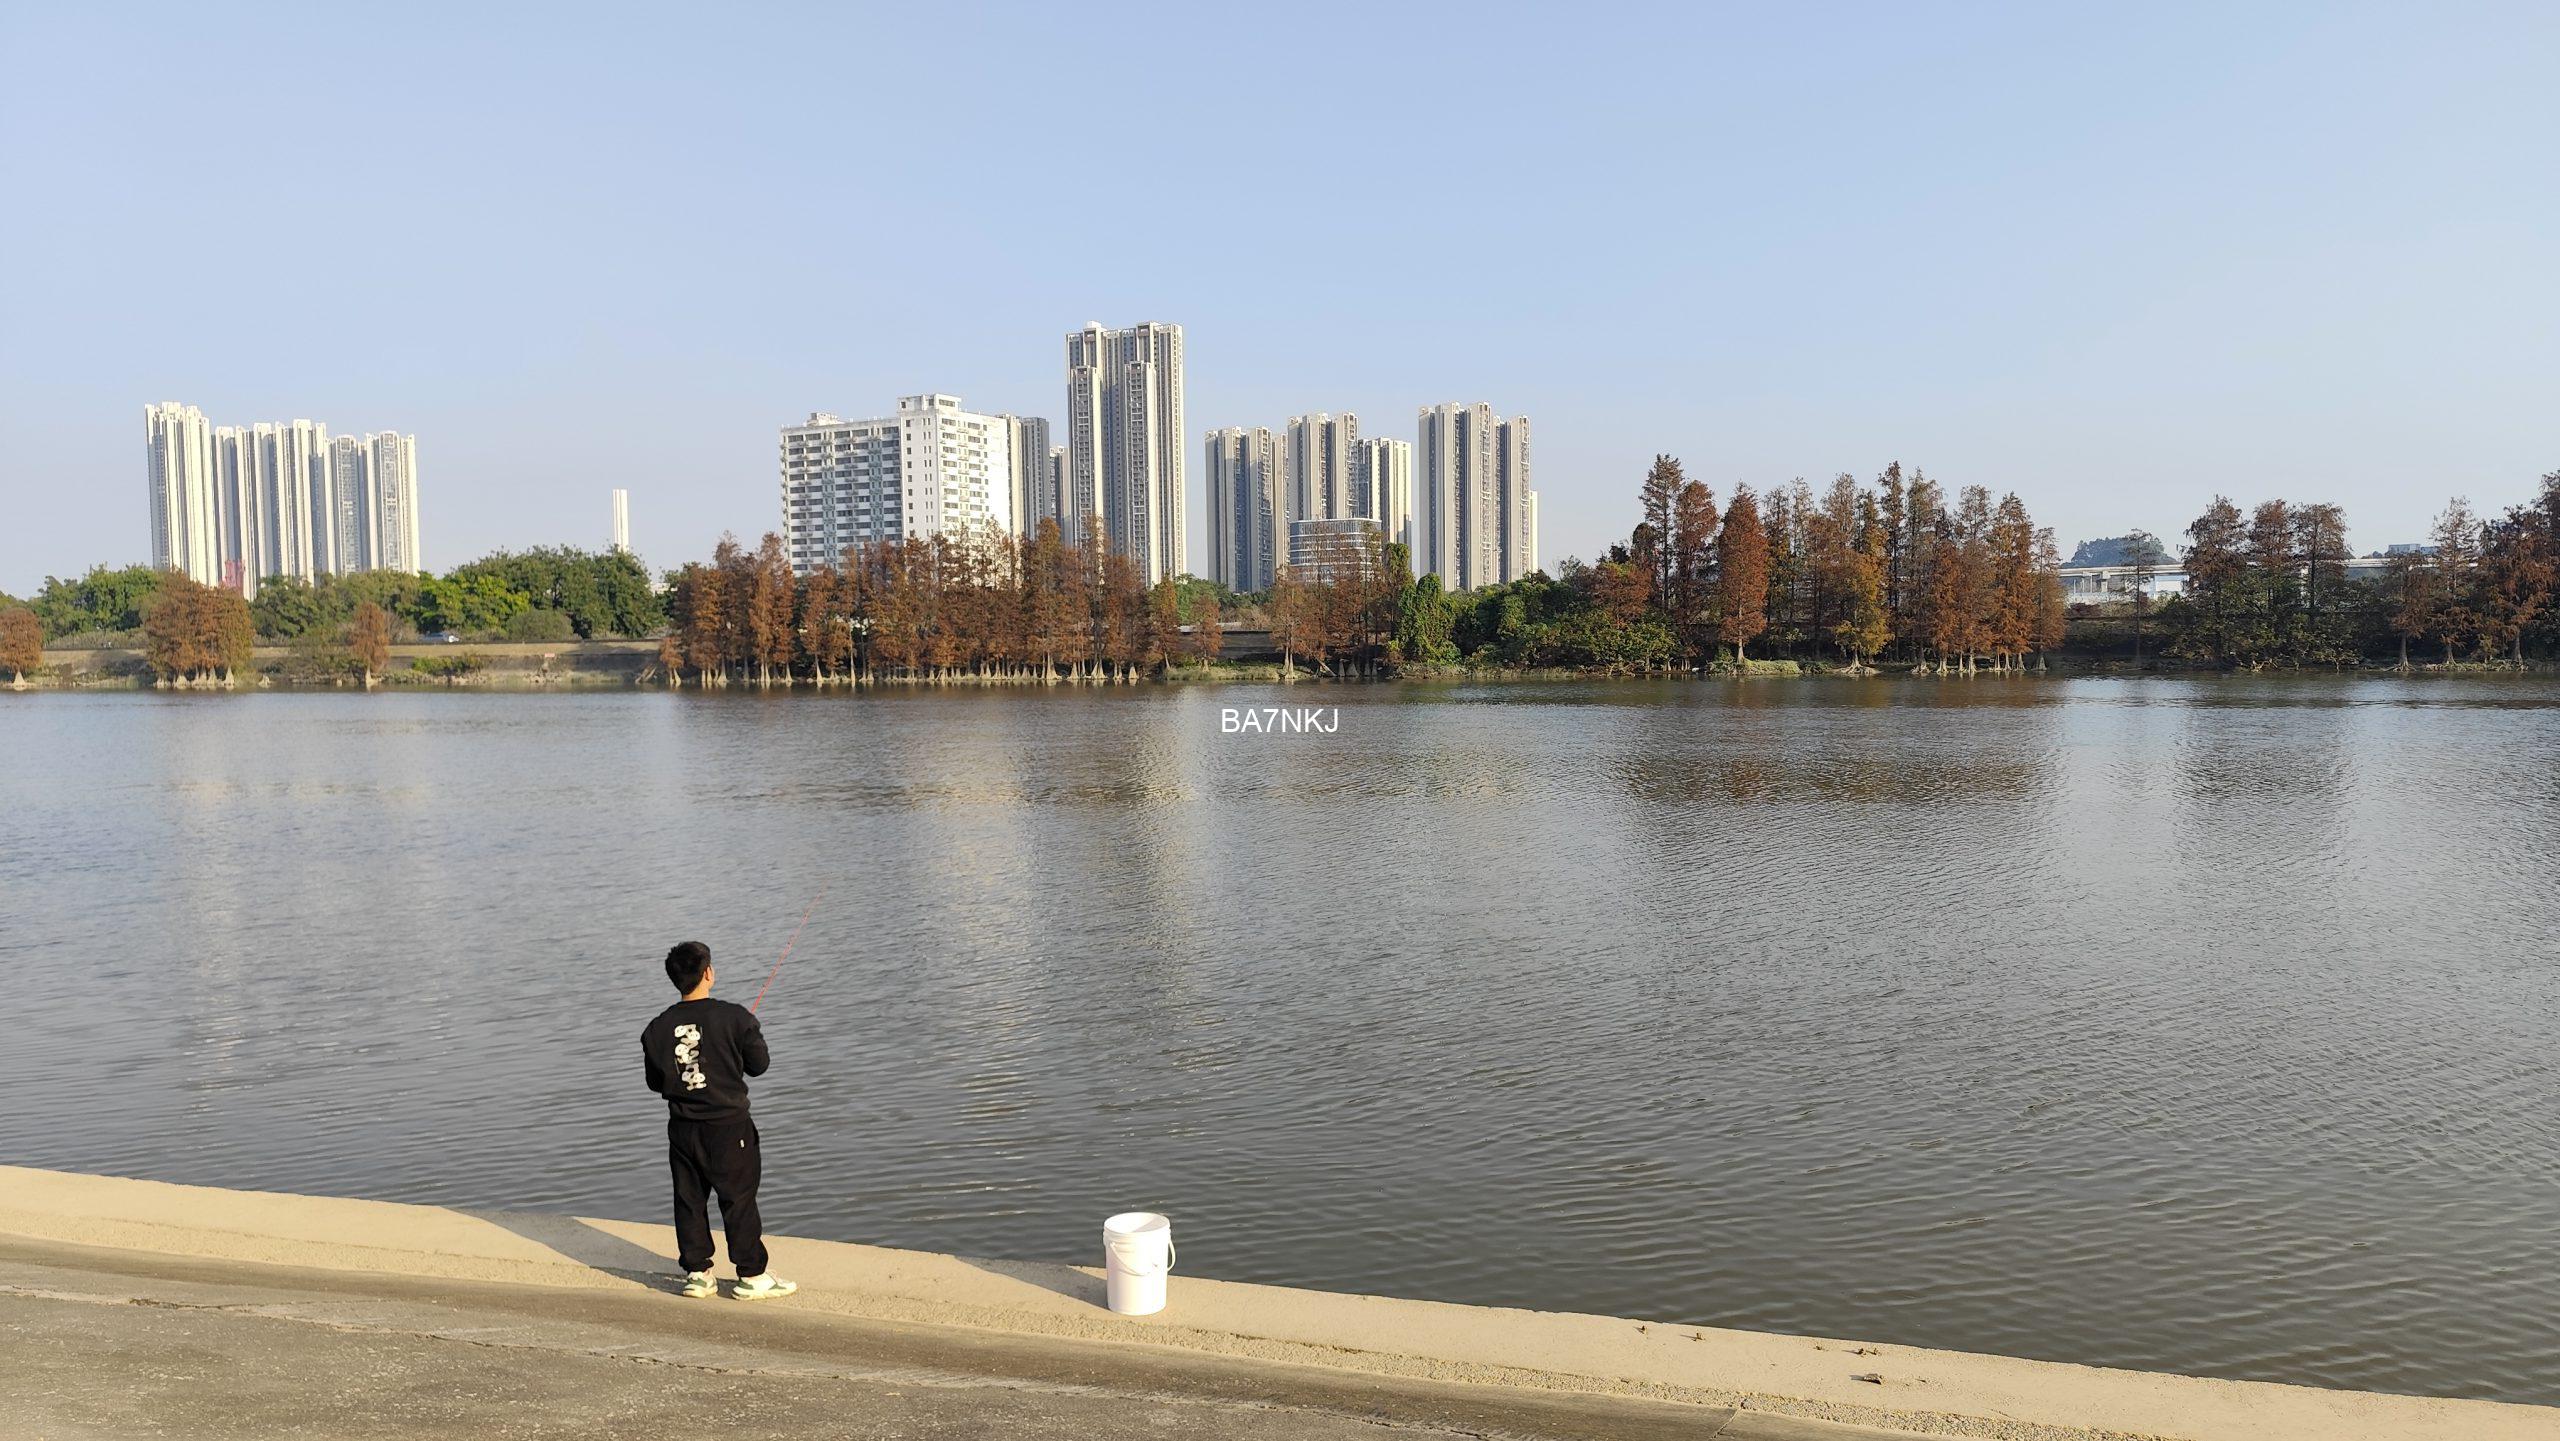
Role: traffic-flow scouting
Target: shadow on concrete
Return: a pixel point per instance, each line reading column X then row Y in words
column 1064, row 1280
column 577, row 1241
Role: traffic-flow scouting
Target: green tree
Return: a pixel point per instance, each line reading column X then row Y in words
column 626, row 604
column 601, row 592
column 540, row 627
column 1199, row 597
column 1424, row 623
column 289, row 608
column 102, row 600
column 466, row 603
column 401, row 594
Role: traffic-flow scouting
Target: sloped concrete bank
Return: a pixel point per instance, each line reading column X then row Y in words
column 1560, row 1355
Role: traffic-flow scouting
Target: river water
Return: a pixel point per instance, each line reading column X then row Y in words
column 2207, row 1025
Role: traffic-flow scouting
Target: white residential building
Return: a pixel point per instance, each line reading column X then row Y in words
column 350, row 493
column 1475, row 516
column 930, row 468
column 242, row 469
column 1453, row 493
column 1382, row 488
column 1125, row 460
column 240, row 493
column 179, row 474
column 1318, row 463
column 392, row 480
column 1515, row 504
column 1244, row 473
column 842, row 485
column 234, row 505
column 306, row 492
column 1035, row 492
column 622, row 521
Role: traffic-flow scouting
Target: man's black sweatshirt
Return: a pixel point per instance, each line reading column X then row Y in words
column 699, row 1055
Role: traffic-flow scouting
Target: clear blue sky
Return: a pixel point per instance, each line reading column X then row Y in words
column 2114, row 260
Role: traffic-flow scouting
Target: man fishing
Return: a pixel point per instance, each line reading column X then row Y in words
column 699, row 1053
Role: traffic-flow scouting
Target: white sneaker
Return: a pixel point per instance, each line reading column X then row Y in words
column 767, row 1287
column 697, row 1284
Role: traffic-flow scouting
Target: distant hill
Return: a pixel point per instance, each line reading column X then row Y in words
column 2116, row 550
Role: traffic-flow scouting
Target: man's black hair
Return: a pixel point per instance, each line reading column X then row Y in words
column 686, row 963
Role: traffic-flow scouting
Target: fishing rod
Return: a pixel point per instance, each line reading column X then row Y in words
column 787, row 945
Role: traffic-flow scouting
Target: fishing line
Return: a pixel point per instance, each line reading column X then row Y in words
column 787, row 945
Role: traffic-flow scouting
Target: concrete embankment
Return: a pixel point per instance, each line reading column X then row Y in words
column 95, row 1266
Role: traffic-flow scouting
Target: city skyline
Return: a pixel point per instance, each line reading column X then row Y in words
column 2118, row 264
column 1264, row 485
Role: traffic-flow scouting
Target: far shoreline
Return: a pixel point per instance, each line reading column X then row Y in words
column 595, row 667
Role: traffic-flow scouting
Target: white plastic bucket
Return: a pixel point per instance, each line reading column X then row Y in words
column 1137, row 1252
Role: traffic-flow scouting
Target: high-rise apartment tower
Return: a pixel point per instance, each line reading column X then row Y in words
column 1475, row 515
column 1125, row 460
column 1245, row 529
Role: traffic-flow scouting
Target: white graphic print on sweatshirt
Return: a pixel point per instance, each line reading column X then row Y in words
column 689, row 1057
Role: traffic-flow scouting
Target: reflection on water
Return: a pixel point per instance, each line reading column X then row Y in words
column 2206, row 1025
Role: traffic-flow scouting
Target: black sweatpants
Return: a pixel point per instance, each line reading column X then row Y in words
column 725, row 1157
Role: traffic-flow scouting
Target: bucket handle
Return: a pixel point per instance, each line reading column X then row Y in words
column 1169, row 1256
